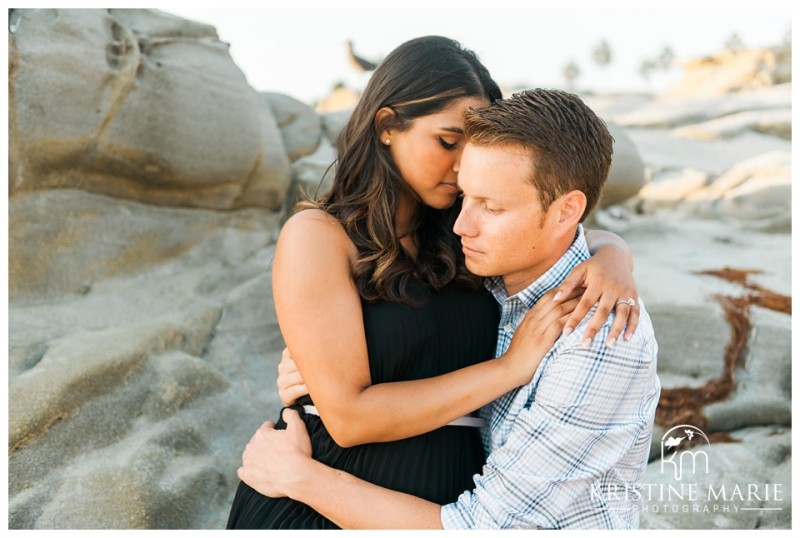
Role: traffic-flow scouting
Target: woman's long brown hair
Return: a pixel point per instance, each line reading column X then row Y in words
column 418, row 78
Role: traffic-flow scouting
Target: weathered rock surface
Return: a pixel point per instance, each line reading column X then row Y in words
column 158, row 112
column 738, row 147
column 130, row 401
column 627, row 174
column 734, row 71
column 667, row 112
column 745, row 486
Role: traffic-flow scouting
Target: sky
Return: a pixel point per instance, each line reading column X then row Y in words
column 301, row 51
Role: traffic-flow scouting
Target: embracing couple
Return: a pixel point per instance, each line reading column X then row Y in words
column 451, row 235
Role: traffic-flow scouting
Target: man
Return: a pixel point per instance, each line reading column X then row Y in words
column 568, row 449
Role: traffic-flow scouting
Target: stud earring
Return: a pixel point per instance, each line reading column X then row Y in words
column 388, row 141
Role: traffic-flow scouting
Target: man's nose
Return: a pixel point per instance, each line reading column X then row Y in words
column 462, row 226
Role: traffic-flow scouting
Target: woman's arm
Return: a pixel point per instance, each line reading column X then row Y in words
column 608, row 280
column 320, row 316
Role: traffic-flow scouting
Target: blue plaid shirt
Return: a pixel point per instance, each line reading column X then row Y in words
column 568, row 449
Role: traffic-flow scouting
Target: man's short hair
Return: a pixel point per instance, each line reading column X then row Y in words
column 570, row 144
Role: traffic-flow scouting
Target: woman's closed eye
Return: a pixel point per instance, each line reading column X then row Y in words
column 447, row 145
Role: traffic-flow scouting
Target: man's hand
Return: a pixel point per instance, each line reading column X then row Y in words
column 290, row 383
column 273, row 461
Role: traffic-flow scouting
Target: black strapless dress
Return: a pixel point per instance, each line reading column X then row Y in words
column 453, row 329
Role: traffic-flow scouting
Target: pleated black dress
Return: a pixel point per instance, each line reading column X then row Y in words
column 453, row 329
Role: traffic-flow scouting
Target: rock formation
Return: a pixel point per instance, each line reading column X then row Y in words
column 138, row 105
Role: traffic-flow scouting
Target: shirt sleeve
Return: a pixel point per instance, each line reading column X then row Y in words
column 588, row 410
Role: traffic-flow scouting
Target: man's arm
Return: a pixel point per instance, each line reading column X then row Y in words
column 353, row 503
column 591, row 408
column 278, row 463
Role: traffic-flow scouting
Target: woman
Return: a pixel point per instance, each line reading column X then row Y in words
column 388, row 329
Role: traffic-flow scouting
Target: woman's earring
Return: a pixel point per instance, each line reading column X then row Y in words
column 388, row 141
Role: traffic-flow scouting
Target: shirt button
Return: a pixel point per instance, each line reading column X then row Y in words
column 508, row 327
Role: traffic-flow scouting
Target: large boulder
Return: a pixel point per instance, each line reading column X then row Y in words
column 137, row 104
column 131, row 395
column 628, row 173
column 300, row 125
column 756, row 192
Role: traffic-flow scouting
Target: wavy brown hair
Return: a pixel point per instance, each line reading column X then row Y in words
column 420, row 77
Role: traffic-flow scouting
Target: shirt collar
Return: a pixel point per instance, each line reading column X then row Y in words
column 577, row 252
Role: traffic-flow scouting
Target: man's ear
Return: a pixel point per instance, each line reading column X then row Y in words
column 384, row 119
column 572, row 206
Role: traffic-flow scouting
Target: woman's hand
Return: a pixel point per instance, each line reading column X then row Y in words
column 607, row 281
column 290, row 383
column 274, row 459
column 537, row 333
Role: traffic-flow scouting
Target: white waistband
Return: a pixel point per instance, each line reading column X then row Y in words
column 472, row 422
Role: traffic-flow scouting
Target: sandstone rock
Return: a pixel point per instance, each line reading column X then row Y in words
column 333, row 123
column 669, row 112
column 627, row 174
column 150, row 479
column 763, row 394
column 78, row 369
column 772, row 122
column 341, row 98
column 611, row 105
column 734, row 71
column 761, row 199
column 756, row 192
column 64, row 241
column 771, row 164
column 663, row 151
column 691, row 342
column 158, row 111
column 311, row 175
column 300, row 125
column 779, row 519
column 670, row 189
column 732, row 492
column 152, row 384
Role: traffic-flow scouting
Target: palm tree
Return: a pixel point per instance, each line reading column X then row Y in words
column 734, row 43
column 665, row 58
column 646, row 69
column 571, row 72
column 602, row 54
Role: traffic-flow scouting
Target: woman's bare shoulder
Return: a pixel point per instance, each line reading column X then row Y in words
column 318, row 230
column 313, row 215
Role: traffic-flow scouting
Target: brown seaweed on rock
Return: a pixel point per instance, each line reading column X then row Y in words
column 684, row 405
